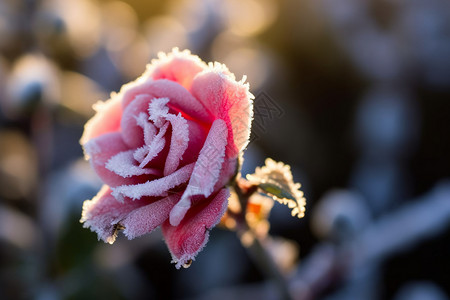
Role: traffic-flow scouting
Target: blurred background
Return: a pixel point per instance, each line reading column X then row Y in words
column 353, row 94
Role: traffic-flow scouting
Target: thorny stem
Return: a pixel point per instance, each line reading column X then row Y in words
column 258, row 252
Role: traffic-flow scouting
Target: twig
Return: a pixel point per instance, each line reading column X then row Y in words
column 258, row 252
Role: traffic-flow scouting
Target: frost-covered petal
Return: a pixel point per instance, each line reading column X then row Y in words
column 124, row 164
column 228, row 170
column 180, row 99
column 158, row 111
column 135, row 120
column 197, row 137
column 153, row 148
column 100, row 150
column 176, row 66
column 149, row 129
column 180, row 132
column 229, row 100
column 104, row 212
column 187, row 239
column 206, row 172
column 146, row 218
column 178, row 144
column 107, row 119
column 158, row 187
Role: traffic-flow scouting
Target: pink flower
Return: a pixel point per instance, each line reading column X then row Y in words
column 166, row 146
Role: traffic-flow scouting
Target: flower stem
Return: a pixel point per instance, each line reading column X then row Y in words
column 257, row 251
column 265, row 262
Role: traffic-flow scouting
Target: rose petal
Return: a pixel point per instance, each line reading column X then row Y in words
column 124, row 164
column 158, row 187
column 197, row 137
column 146, row 218
column 180, row 98
column 158, row 111
column 103, row 212
column 100, row 150
column 132, row 124
column 228, row 170
column 187, row 239
column 153, row 149
column 149, row 129
column 107, row 119
column 178, row 144
column 176, row 66
column 228, row 100
column 206, row 172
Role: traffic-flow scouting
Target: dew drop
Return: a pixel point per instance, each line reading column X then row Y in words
column 187, row 264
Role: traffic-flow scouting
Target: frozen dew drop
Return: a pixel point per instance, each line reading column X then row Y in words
column 187, row 264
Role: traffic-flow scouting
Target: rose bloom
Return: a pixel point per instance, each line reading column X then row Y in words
column 165, row 147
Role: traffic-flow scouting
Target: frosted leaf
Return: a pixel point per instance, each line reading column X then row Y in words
column 275, row 179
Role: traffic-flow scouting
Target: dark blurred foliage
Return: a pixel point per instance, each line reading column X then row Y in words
column 353, row 94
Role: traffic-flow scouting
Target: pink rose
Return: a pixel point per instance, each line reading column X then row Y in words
column 166, row 146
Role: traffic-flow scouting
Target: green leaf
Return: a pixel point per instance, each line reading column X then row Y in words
column 275, row 190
